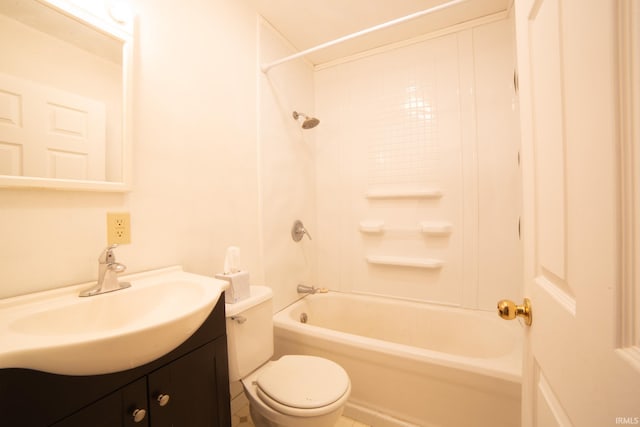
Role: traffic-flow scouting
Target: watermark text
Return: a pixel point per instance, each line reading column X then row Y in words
column 628, row 420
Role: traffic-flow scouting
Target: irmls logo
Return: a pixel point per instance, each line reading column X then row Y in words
column 628, row 420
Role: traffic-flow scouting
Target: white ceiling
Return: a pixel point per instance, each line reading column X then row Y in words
column 307, row 24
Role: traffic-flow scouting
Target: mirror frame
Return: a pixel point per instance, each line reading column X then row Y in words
column 101, row 21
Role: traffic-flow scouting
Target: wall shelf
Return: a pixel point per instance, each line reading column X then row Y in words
column 436, row 228
column 431, row 228
column 426, row 193
column 372, row 226
column 429, row 263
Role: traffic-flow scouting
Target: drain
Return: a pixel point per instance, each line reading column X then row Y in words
column 304, row 318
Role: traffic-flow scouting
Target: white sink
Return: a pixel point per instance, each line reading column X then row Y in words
column 57, row 331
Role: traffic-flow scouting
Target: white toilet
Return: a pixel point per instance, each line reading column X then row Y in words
column 294, row 391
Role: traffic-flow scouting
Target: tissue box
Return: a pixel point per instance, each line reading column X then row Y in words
column 239, row 288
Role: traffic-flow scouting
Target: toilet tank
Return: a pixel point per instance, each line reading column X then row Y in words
column 250, row 332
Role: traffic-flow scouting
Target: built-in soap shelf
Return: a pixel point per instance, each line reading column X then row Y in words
column 385, row 193
column 431, row 228
column 428, row 263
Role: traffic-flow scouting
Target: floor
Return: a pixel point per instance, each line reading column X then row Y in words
column 241, row 418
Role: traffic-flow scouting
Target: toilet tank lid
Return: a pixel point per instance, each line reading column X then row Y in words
column 257, row 294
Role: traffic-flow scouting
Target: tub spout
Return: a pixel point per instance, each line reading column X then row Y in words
column 304, row 289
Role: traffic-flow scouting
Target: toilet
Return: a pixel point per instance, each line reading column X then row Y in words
column 293, row 391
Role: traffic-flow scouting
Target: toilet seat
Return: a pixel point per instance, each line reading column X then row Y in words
column 303, row 385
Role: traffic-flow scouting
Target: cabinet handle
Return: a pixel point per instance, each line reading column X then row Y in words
column 138, row 415
column 163, row 399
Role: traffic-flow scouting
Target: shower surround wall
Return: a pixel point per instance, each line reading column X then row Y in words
column 417, row 163
column 287, row 169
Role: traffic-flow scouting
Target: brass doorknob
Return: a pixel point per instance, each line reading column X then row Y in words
column 508, row 310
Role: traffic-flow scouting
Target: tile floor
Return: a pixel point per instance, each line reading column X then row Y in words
column 241, row 418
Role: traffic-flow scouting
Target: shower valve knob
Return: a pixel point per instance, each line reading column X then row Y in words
column 298, row 231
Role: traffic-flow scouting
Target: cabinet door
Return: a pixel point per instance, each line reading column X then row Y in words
column 187, row 392
column 115, row 410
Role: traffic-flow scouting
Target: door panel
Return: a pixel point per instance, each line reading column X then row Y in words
column 546, row 80
column 46, row 132
column 570, row 91
column 548, row 409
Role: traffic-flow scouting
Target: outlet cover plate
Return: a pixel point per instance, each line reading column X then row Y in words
column 118, row 228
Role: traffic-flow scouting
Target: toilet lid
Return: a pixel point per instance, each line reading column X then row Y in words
column 304, row 382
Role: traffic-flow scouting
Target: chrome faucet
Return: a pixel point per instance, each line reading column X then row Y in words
column 304, row 289
column 108, row 270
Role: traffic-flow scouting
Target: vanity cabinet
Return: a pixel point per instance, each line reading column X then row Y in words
column 116, row 409
column 188, row 387
column 192, row 398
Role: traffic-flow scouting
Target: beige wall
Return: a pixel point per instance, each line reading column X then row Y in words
column 195, row 188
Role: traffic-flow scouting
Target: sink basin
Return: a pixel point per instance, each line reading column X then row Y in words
column 56, row 331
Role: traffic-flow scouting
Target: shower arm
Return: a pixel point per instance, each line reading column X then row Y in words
column 267, row 67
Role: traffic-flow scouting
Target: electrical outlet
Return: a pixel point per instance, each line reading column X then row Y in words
column 118, row 228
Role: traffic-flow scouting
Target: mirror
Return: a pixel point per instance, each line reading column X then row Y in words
column 65, row 95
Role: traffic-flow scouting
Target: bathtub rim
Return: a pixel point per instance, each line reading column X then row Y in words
column 507, row 367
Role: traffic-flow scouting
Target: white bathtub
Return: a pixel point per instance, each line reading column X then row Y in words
column 411, row 363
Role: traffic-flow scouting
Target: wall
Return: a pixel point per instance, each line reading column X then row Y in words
column 434, row 114
column 198, row 164
column 287, row 175
column 195, row 187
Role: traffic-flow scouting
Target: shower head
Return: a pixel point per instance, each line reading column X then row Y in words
column 309, row 122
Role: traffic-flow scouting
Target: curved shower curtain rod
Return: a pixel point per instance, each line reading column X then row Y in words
column 267, row 67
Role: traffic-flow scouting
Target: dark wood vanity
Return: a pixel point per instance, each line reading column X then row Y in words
column 188, row 387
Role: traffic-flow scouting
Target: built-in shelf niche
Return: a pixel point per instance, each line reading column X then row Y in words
column 430, row 228
column 398, row 261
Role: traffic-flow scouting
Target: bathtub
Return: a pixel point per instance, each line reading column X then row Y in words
column 410, row 363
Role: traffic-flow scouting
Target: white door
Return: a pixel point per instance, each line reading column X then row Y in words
column 582, row 363
column 47, row 132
